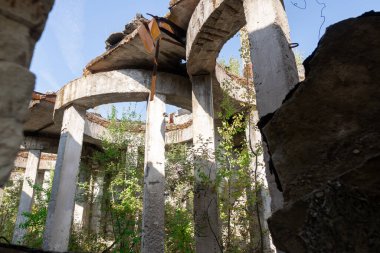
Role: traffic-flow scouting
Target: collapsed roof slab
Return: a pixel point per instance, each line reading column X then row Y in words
column 131, row 53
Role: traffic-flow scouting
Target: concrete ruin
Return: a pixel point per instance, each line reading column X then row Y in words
column 305, row 176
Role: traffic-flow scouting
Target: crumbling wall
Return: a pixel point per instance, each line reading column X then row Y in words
column 324, row 145
column 21, row 24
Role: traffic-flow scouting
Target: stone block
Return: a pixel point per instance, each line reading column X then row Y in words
column 330, row 123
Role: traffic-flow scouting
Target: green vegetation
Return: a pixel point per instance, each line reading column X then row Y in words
column 117, row 169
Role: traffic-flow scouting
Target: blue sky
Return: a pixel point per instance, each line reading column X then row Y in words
column 76, row 31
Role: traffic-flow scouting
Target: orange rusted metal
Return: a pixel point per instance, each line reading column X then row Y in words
column 154, row 29
column 154, row 75
column 146, row 38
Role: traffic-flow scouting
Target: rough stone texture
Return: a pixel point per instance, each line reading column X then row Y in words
column 324, row 142
column 27, row 194
column 334, row 115
column 61, row 205
column 21, row 24
column 17, row 83
column 212, row 24
column 153, row 225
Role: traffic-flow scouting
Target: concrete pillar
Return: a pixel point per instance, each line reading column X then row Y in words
column 27, row 194
column 96, row 208
column 274, row 65
column 46, row 182
column 81, row 206
column 154, row 178
column 206, row 216
column 260, row 167
column 1, row 194
column 61, row 205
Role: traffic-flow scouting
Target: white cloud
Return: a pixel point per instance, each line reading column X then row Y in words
column 68, row 26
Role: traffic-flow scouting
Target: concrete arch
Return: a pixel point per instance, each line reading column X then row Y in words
column 122, row 86
column 212, row 24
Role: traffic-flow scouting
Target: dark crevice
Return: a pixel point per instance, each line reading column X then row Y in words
column 261, row 124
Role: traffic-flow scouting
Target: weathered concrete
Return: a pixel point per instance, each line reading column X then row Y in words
column 122, row 86
column 211, row 25
column 61, row 205
column 275, row 69
column 206, row 217
column 47, row 161
column 21, row 24
column 46, row 182
column 262, row 189
column 96, row 208
column 154, row 178
column 82, row 206
column 324, row 142
column 27, row 194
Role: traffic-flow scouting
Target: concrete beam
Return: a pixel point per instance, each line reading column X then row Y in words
column 154, row 178
column 122, row 86
column 27, row 194
column 47, row 161
column 61, row 205
column 206, row 218
column 211, row 25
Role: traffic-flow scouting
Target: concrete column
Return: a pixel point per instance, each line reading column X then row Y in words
column 1, row 194
column 61, row 205
column 274, row 65
column 96, row 208
column 46, row 182
column 206, row 217
column 154, row 178
column 260, row 167
column 81, row 206
column 27, row 194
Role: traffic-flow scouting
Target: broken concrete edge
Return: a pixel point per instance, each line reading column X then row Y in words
column 87, row 70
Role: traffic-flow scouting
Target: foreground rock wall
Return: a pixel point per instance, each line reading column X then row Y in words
column 21, row 24
column 324, row 144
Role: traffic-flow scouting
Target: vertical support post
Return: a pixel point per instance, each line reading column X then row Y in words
column 154, row 178
column 1, row 194
column 81, row 206
column 46, row 181
column 61, row 205
column 206, row 215
column 274, row 65
column 27, row 194
column 96, row 208
column 263, row 197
